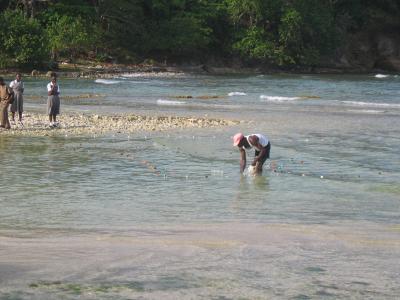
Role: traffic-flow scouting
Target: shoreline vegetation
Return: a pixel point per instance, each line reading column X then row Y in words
column 212, row 37
column 78, row 124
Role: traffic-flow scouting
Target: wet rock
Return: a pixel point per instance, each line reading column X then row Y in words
column 389, row 63
column 80, row 124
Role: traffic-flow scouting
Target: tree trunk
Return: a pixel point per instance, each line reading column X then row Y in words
column 31, row 5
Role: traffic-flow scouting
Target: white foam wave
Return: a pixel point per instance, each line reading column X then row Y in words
column 370, row 104
column 151, row 74
column 381, row 76
column 278, row 98
column 366, row 111
column 236, row 94
column 169, row 102
column 107, row 81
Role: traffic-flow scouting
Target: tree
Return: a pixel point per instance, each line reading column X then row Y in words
column 68, row 35
column 23, row 40
column 123, row 24
column 283, row 32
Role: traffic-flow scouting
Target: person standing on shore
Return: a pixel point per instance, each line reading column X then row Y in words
column 6, row 97
column 53, row 100
column 18, row 104
column 257, row 141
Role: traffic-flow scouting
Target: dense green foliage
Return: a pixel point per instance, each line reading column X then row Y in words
column 22, row 41
column 272, row 32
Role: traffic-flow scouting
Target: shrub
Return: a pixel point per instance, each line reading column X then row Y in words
column 22, row 39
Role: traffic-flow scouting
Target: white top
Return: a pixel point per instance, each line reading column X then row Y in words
column 15, row 84
column 263, row 140
column 50, row 87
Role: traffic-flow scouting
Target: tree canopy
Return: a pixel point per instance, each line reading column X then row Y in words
column 272, row 32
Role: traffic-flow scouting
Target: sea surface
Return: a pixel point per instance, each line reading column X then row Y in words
column 166, row 215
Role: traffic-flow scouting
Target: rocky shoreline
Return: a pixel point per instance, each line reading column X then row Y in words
column 77, row 124
column 106, row 71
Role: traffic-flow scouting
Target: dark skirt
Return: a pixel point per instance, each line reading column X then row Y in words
column 53, row 105
column 18, row 104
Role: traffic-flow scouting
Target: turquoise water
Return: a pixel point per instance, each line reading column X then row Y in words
column 166, row 215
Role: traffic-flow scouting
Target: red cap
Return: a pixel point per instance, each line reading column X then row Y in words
column 237, row 138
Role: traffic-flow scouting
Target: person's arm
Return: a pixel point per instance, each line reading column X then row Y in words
column 260, row 155
column 54, row 90
column 242, row 160
column 10, row 95
column 49, row 90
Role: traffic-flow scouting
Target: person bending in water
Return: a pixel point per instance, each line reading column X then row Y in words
column 257, row 141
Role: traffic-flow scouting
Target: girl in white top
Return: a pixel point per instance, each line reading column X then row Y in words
column 18, row 105
column 257, row 141
column 53, row 101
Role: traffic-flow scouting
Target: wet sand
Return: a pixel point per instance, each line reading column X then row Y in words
column 78, row 124
column 224, row 261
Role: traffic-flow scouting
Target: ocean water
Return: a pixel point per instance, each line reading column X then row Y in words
column 168, row 216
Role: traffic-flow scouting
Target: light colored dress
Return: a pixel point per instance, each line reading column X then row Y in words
column 53, row 101
column 18, row 104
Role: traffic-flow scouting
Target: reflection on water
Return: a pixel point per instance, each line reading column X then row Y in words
column 252, row 193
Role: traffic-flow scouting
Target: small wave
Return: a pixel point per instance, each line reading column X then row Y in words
column 381, row 76
column 107, row 81
column 279, row 98
column 169, row 102
column 370, row 104
column 310, row 97
column 236, row 94
column 366, row 111
column 151, row 74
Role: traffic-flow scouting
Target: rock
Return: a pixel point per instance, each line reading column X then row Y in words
column 80, row 124
column 387, row 46
column 35, row 73
column 50, row 73
column 389, row 64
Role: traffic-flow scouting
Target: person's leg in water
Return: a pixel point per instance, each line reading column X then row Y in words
column 261, row 162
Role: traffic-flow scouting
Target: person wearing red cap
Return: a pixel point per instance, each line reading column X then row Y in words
column 257, row 141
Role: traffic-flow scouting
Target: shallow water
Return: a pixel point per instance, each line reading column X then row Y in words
column 166, row 215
